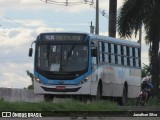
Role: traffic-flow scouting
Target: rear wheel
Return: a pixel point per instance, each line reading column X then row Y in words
column 123, row 99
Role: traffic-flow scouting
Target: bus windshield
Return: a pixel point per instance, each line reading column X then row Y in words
column 60, row 58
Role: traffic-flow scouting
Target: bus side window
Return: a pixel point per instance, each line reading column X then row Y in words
column 125, row 55
column 133, row 53
column 130, row 56
column 137, row 61
column 112, row 54
column 93, row 50
column 119, row 55
column 106, row 56
column 100, row 52
column 94, row 55
column 139, row 56
column 122, row 55
column 109, row 52
column 115, row 53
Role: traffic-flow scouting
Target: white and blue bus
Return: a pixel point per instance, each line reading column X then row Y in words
column 82, row 64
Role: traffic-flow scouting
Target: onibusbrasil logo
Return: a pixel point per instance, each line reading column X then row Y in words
column 21, row 114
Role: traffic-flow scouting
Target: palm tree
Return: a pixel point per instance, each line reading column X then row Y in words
column 134, row 14
column 112, row 18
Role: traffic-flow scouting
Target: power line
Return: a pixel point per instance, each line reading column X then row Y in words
column 82, row 2
column 68, row 3
column 13, row 21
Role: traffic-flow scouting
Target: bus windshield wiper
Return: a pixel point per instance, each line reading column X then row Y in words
column 70, row 52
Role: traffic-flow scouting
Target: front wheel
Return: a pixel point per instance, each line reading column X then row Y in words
column 99, row 93
column 123, row 99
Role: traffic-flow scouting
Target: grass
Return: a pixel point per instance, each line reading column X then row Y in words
column 71, row 105
column 64, row 106
column 151, row 102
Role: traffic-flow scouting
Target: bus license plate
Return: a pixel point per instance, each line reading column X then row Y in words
column 60, row 87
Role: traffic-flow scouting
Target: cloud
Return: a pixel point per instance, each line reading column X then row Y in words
column 23, row 35
column 14, row 60
column 31, row 23
column 13, row 75
column 39, row 5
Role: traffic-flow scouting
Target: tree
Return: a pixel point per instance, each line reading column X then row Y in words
column 145, row 70
column 112, row 18
column 32, row 79
column 134, row 14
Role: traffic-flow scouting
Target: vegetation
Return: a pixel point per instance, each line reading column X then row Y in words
column 145, row 70
column 63, row 106
column 137, row 13
column 32, row 79
column 151, row 102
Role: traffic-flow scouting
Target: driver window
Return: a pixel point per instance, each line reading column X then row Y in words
column 94, row 59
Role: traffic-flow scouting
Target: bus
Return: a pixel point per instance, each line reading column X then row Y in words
column 86, row 65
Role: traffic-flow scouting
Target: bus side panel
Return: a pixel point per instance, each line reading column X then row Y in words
column 112, row 83
column 96, row 76
column 134, row 82
column 114, row 78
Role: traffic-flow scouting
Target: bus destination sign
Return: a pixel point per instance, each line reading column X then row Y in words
column 62, row 37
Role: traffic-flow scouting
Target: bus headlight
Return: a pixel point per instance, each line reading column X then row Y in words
column 38, row 80
column 84, row 80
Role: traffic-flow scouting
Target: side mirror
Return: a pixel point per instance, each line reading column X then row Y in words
column 30, row 52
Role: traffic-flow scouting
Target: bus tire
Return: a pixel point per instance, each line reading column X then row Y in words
column 48, row 98
column 123, row 99
column 99, row 92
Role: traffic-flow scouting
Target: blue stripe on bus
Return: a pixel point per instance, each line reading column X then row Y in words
column 58, row 82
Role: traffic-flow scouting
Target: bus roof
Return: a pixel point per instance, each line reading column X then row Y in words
column 115, row 40
column 101, row 37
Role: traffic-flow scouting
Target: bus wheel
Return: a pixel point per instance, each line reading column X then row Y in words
column 99, row 93
column 123, row 99
column 48, row 98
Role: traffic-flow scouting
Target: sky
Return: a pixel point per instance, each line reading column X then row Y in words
column 22, row 20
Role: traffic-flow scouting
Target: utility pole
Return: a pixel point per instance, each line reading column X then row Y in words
column 112, row 18
column 91, row 28
column 97, row 18
column 140, row 40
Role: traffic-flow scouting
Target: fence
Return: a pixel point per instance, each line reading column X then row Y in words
column 25, row 95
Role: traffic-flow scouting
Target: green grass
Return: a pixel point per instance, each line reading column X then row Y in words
column 64, row 106
column 153, row 102
column 131, row 102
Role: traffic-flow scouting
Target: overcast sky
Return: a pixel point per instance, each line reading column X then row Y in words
column 22, row 20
